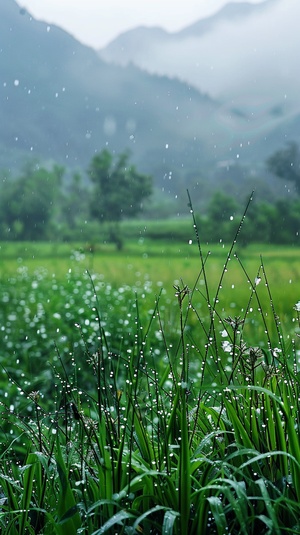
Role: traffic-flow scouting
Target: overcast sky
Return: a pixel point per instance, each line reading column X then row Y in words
column 97, row 22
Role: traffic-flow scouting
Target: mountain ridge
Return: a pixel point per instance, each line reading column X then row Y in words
column 224, row 55
column 61, row 103
column 145, row 33
column 229, row 11
column 61, row 91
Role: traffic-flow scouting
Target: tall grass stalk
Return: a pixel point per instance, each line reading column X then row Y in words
column 160, row 438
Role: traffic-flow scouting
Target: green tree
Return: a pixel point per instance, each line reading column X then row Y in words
column 28, row 203
column 75, row 205
column 277, row 222
column 285, row 164
column 118, row 190
column 221, row 211
column 260, row 225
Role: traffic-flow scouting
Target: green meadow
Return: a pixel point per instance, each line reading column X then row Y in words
column 156, row 265
column 50, row 293
column 150, row 390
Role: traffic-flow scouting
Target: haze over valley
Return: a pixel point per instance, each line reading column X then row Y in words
column 201, row 108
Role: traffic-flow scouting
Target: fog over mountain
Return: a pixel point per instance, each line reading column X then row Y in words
column 246, row 56
column 212, row 101
column 60, row 101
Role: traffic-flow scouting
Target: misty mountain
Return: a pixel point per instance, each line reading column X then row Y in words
column 61, row 102
column 245, row 56
column 137, row 45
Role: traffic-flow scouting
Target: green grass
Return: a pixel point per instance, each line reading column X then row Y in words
column 158, row 393
column 148, row 267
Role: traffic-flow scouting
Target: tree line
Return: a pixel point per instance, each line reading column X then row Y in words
column 277, row 222
column 42, row 204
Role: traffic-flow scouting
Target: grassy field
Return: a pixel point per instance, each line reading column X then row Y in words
column 155, row 261
column 48, row 288
column 146, row 264
column 152, row 390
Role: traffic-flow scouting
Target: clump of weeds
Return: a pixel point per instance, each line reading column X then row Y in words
column 200, row 436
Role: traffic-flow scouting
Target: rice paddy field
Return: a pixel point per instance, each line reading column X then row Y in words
column 53, row 297
column 150, row 390
column 52, row 272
